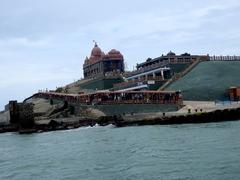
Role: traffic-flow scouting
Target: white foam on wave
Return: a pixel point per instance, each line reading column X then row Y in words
column 98, row 126
column 110, row 126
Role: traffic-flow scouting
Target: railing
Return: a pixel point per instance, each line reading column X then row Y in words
column 224, row 58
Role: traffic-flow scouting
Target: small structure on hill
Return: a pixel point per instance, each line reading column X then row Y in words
column 234, row 93
column 172, row 58
column 153, row 73
column 100, row 64
column 22, row 114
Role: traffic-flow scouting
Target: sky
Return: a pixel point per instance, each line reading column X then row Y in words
column 43, row 43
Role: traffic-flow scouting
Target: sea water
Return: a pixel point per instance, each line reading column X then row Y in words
column 193, row 151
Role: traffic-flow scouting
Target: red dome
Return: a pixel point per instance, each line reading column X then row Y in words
column 96, row 51
column 114, row 54
column 114, row 51
column 98, row 55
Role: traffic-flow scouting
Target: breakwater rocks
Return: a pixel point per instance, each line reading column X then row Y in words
column 127, row 120
column 9, row 128
column 206, row 117
column 134, row 120
column 76, row 122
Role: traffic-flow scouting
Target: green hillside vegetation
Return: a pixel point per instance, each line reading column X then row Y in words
column 178, row 67
column 101, row 84
column 89, row 85
column 208, row 80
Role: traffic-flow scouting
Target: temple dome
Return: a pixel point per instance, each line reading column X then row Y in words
column 96, row 51
column 114, row 51
column 114, row 54
column 171, row 54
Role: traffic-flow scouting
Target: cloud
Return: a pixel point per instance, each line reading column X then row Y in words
column 44, row 43
column 23, row 42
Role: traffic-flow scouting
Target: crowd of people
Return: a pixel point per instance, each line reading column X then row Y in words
column 116, row 97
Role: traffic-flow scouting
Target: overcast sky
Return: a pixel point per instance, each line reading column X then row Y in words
column 43, row 43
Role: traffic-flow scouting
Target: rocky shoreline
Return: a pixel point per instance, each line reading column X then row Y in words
column 123, row 121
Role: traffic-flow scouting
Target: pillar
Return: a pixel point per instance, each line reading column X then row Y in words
column 154, row 75
column 162, row 74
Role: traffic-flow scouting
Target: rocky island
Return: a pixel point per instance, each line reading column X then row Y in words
column 170, row 89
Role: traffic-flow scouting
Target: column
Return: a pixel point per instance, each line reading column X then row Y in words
column 154, row 75
column 162, row 74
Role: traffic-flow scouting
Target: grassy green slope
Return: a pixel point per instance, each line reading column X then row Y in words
column 208, row 80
